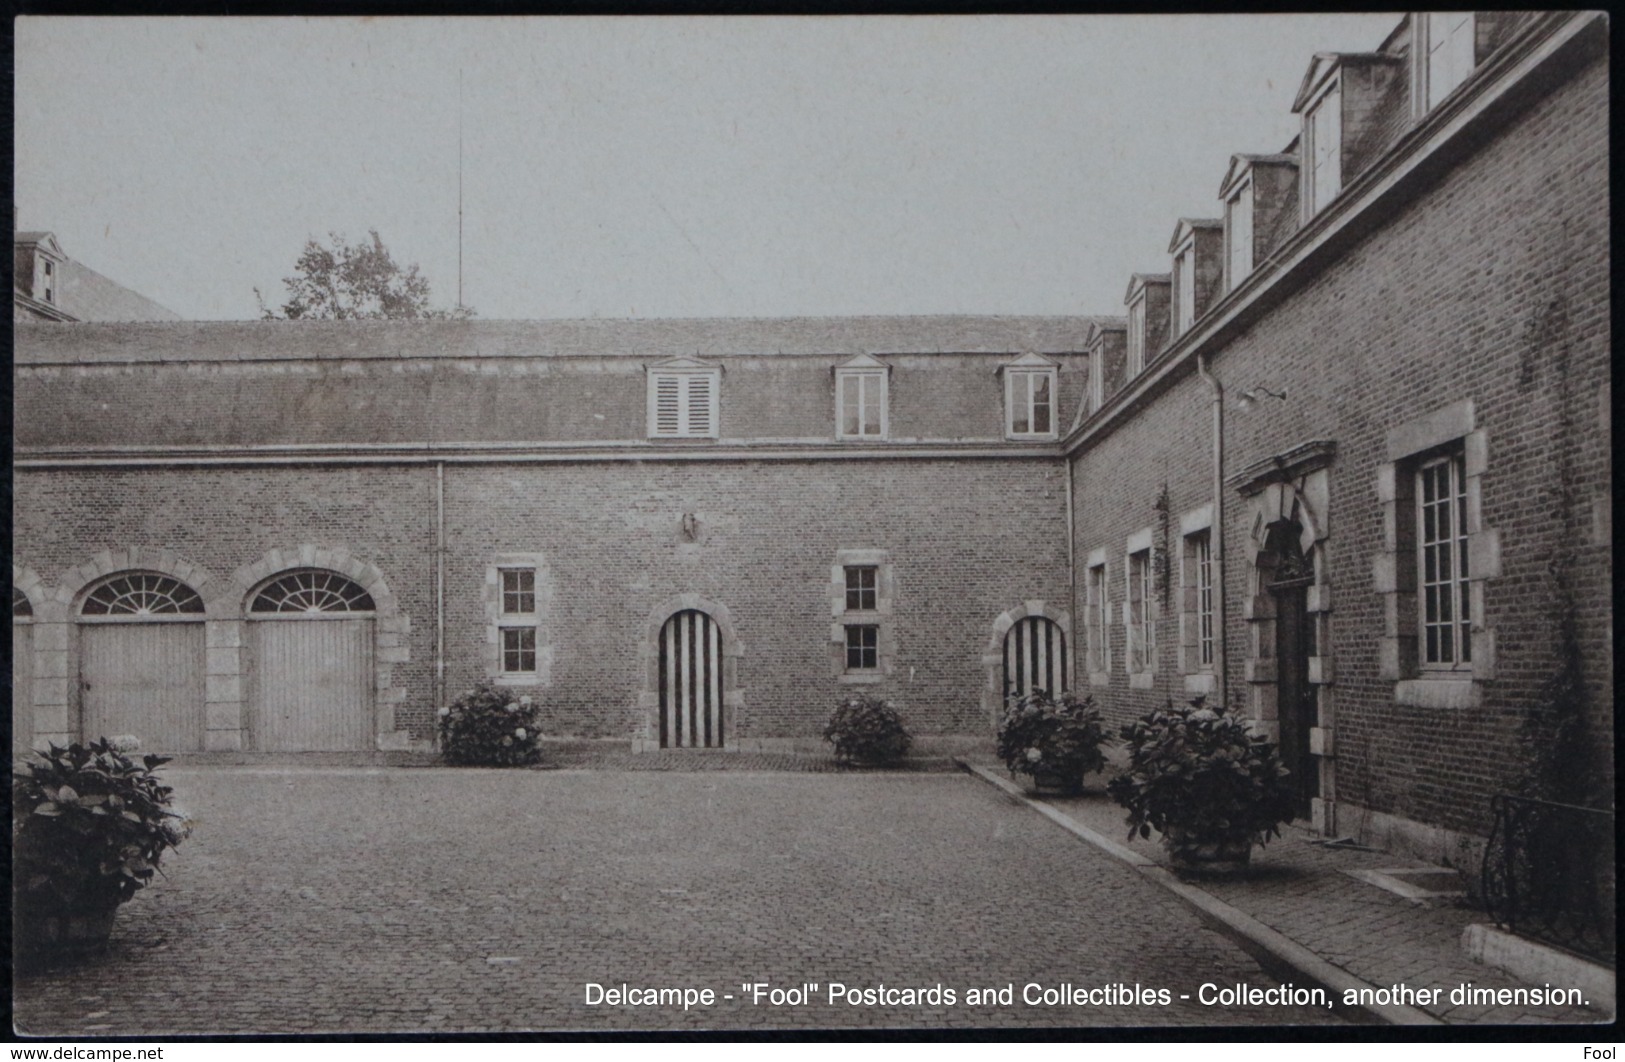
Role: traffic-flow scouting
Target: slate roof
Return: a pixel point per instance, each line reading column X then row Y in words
column 207, row 341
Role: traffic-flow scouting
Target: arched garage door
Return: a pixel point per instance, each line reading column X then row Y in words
column 311, row 687
column 141, row 662
column 1034, row 658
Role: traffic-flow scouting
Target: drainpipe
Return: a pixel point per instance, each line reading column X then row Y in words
column 439, row 584
column 1071, row 572
column 1219, row 656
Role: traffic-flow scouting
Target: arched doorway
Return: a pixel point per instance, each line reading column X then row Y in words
column 1034, row 658
column 22, row 671
column 1287, row 573
column 141, row 661
column 311, row 684
column 690, row 682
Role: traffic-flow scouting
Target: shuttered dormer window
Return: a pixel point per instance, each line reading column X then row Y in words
column 683, row 400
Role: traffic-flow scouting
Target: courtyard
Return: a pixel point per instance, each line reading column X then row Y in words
column 332, row 900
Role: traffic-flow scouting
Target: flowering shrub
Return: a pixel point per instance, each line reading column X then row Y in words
column 1043, row 734
column 1199, row 776
column 867, row 730
column 88, row 826
column 486, row 727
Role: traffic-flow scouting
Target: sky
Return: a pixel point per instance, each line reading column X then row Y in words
column 653, row 167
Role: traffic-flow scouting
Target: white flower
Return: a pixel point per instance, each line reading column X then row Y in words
column 1033, row 755
column 520, row 733
column 525, row 701
column 513, row 706
column 445, row 711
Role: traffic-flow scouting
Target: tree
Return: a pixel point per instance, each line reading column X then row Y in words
column 359, row 281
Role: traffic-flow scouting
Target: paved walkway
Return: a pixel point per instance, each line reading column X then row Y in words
column 1306, row 891
column 347, row 899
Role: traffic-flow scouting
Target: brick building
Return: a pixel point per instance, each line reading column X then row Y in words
column 50, row 286
column 1342, row 463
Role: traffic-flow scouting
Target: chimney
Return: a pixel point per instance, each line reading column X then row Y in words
column 1260, row 197
column 1198, row 250
column 1147, row 302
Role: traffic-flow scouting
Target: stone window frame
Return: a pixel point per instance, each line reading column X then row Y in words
column 496, row 620
column 880, row 617
column 1141, row 543
column 1199, row 677
column 1394, row 568
column 1097, row 618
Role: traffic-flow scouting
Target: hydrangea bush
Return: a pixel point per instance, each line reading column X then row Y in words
column 867, row 730
column 1062, row 736
column 488, row 727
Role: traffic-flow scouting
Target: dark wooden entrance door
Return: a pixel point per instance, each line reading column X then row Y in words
column 1296, row 708
column 691, row 682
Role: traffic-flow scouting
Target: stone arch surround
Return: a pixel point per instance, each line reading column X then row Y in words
column 647, row 738
column 993, row 652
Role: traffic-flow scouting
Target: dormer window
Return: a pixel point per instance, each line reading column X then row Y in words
column 1449, row 47
column 1029, row 397
column 1322, row 148
column 1185, row 287
column 1136, row 336
column 683, row 399
column 861, row 399
column 47, row 281
column 1238, row 234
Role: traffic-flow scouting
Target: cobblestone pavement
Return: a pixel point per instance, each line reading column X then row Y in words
column 1302, row 890
column 332, row 900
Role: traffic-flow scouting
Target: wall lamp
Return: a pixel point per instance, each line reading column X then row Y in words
column 1252, row 395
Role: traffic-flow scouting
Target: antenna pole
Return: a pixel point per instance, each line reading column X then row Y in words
column 459, row 188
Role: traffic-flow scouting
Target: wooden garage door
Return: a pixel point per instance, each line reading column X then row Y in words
column 312, row 685
column 311, row 641
column 144, row 679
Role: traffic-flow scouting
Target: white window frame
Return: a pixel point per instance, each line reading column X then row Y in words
column 1447, row 591
column 1185, row 287
column 1097, row 619
column 698, row 412
column 500, row 619
column 1449, row 48
column 1136, row 336
column 1021, row 393
column 1323, row 147
column 878, row 617
column 515, row 620
column 1097, row 377
column 1140, row 630
column 1238, row 246
column 872, row 390
column 1198, row 620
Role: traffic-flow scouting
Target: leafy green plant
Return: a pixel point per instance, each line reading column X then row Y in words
column 868, row 731
column 88, row 826
column 1201, row 776
column 486, row 727
column 1049, row 735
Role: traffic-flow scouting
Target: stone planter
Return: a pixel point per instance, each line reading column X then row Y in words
column 46, row 936
column 1198, row 858
column 1054, row 783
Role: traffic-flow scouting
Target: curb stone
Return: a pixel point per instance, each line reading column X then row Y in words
column 1275, row 951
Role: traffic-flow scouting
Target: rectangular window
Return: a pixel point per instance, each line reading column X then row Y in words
column 1100, row 620
column 518, row 650
column 1202, row 563
column 1030, row 401
column 1185, row 289
column 861, row 401
column 1239, row 234
column 683, row 405
column 862, row 647
column 861, row 584
column 1142, row 646
column 1450, row 52
column 1136, row 338
column 1441, row 564
column 1324, row 128
column 518, row 591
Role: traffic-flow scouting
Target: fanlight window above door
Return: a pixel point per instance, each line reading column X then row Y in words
column 312, row 590
column 142, row 594
column 20, row 608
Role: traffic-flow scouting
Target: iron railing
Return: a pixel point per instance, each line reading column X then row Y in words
column 1549, row 874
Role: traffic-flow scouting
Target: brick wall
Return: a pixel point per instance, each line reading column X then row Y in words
column 1492, row 286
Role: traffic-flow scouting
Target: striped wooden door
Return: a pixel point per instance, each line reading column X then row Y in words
column 691, row 682
column 144, row 679
column 22, row 685
column 312, row 684
column 1034, row 658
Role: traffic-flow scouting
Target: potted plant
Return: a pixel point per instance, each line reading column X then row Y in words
column 867, row 731
column 88, row 827
column 486, row 727
column 1055, row 740
column 1203, row 780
